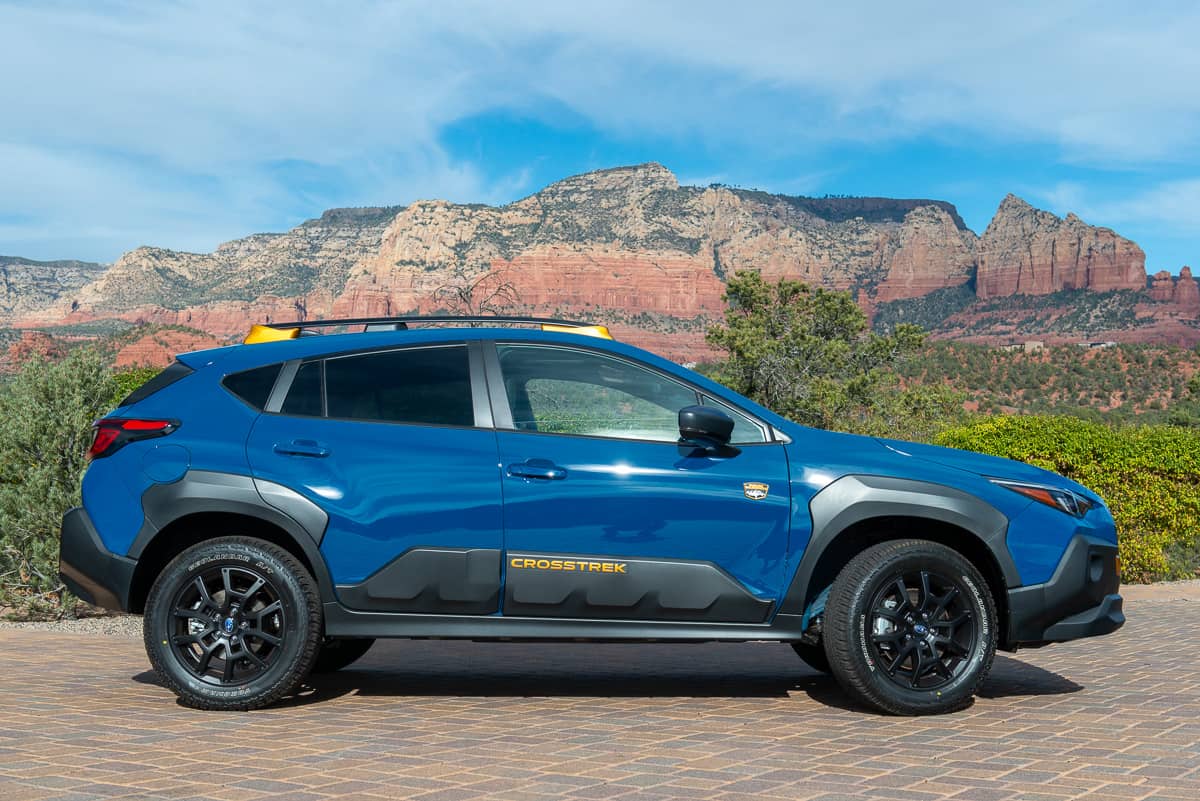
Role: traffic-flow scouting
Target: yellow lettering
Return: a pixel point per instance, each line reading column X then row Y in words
column 530, row 563
column 620, row 568
column 593, row 567
column 607, row 567
column 516, row 562
column 543, row 564
column 569, row 565
column 556, row 564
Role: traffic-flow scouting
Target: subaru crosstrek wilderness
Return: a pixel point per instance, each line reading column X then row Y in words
column 271, row 508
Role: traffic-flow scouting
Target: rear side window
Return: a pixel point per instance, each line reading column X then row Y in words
column 253, row 386
column 166, row 378
column 427, row 386
column 304, row 395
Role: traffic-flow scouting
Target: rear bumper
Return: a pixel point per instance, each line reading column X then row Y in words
column 90, row 570
column 1079, row 600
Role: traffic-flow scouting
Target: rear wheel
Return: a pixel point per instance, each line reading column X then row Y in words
column 910, row 628
column 338, row 654
column 233, row 623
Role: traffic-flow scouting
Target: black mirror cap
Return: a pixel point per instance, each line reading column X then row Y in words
column 705, row 425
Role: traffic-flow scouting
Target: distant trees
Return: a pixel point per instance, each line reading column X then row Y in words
column 808, row 354
column 487, row 294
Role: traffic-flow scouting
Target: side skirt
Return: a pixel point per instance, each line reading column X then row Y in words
column 343, row 622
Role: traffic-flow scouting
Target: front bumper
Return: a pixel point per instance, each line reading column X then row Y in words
column 91, row 571
column 1079, row 600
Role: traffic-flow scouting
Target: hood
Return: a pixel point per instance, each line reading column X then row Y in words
column 984, row 465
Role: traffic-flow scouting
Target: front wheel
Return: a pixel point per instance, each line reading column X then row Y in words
column 233, row 623
column 910, row 628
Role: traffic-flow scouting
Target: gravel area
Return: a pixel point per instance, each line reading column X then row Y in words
column 111, row 625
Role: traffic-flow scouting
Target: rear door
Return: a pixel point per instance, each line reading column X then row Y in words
column 392, row 445
column 607, row 516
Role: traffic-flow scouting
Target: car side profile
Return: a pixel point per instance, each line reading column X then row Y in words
column 272, row 508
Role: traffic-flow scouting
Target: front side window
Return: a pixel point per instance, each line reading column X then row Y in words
column 425, row 386
column 565, row 391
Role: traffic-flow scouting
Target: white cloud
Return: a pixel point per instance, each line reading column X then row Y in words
column 1171, row 205
column 169, row 122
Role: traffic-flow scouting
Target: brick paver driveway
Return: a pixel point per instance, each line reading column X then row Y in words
column 1117, row 717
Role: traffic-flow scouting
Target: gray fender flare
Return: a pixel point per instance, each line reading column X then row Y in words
column 202, row 491
column 854, row 498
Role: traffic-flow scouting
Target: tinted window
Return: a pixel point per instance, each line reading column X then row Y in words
column 745, row 430
column 563, row 391
column 430, row 386
column 253, row 386
column 304, row 395
column 173, row 373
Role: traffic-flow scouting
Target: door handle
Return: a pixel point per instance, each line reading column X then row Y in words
column 301, row 447
column 538, row 468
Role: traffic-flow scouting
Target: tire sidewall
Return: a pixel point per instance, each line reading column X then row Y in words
column 159, row 620
column 959, row 691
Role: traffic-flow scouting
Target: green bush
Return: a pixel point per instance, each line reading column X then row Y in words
column 808, row 354
column 46, row 415
column 1148, row 475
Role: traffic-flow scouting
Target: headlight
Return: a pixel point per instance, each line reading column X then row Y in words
column 1061, row 499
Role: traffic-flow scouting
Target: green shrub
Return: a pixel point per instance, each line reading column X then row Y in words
column 808, row 354
column 46, row 415
column 1148, row 475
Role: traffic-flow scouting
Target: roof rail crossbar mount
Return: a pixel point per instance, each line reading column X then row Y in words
column 440, row 318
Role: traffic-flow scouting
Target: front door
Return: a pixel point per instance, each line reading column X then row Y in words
column 389, row 445
column 607, row 516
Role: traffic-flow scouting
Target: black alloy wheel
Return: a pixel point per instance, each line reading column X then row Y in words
column 921, row 629
column 229, row 625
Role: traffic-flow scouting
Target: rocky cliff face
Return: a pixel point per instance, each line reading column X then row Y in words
column 628, row 246
column 27, row 285
column 1026, row 251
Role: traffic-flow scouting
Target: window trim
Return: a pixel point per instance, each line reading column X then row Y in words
column 475, row 367
column 502, row 413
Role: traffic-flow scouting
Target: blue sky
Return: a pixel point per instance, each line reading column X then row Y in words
column 185, row 124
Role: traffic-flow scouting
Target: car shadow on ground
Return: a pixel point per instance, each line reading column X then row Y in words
column 612, row 671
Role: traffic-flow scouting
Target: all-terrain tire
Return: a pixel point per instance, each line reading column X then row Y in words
column 338, row 654
column 812, row 655
column 270, row 645
column 857, row 619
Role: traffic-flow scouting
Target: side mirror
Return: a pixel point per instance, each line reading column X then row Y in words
column 705, row 426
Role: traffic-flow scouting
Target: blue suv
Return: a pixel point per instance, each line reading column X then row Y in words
column 273, row 507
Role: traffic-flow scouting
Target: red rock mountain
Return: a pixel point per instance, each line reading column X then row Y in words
column 1026, row 251
column 633, row 248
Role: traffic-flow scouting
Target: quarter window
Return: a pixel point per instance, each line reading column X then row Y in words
column 253, row 386
column 429, row 386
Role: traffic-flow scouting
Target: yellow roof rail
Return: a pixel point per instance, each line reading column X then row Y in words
column 274, row 332
column 265, row 333
column 600, row 331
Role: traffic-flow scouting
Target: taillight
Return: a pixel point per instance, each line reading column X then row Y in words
column 113, row 433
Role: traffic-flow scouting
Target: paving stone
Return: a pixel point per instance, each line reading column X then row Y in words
column 1108, row 718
